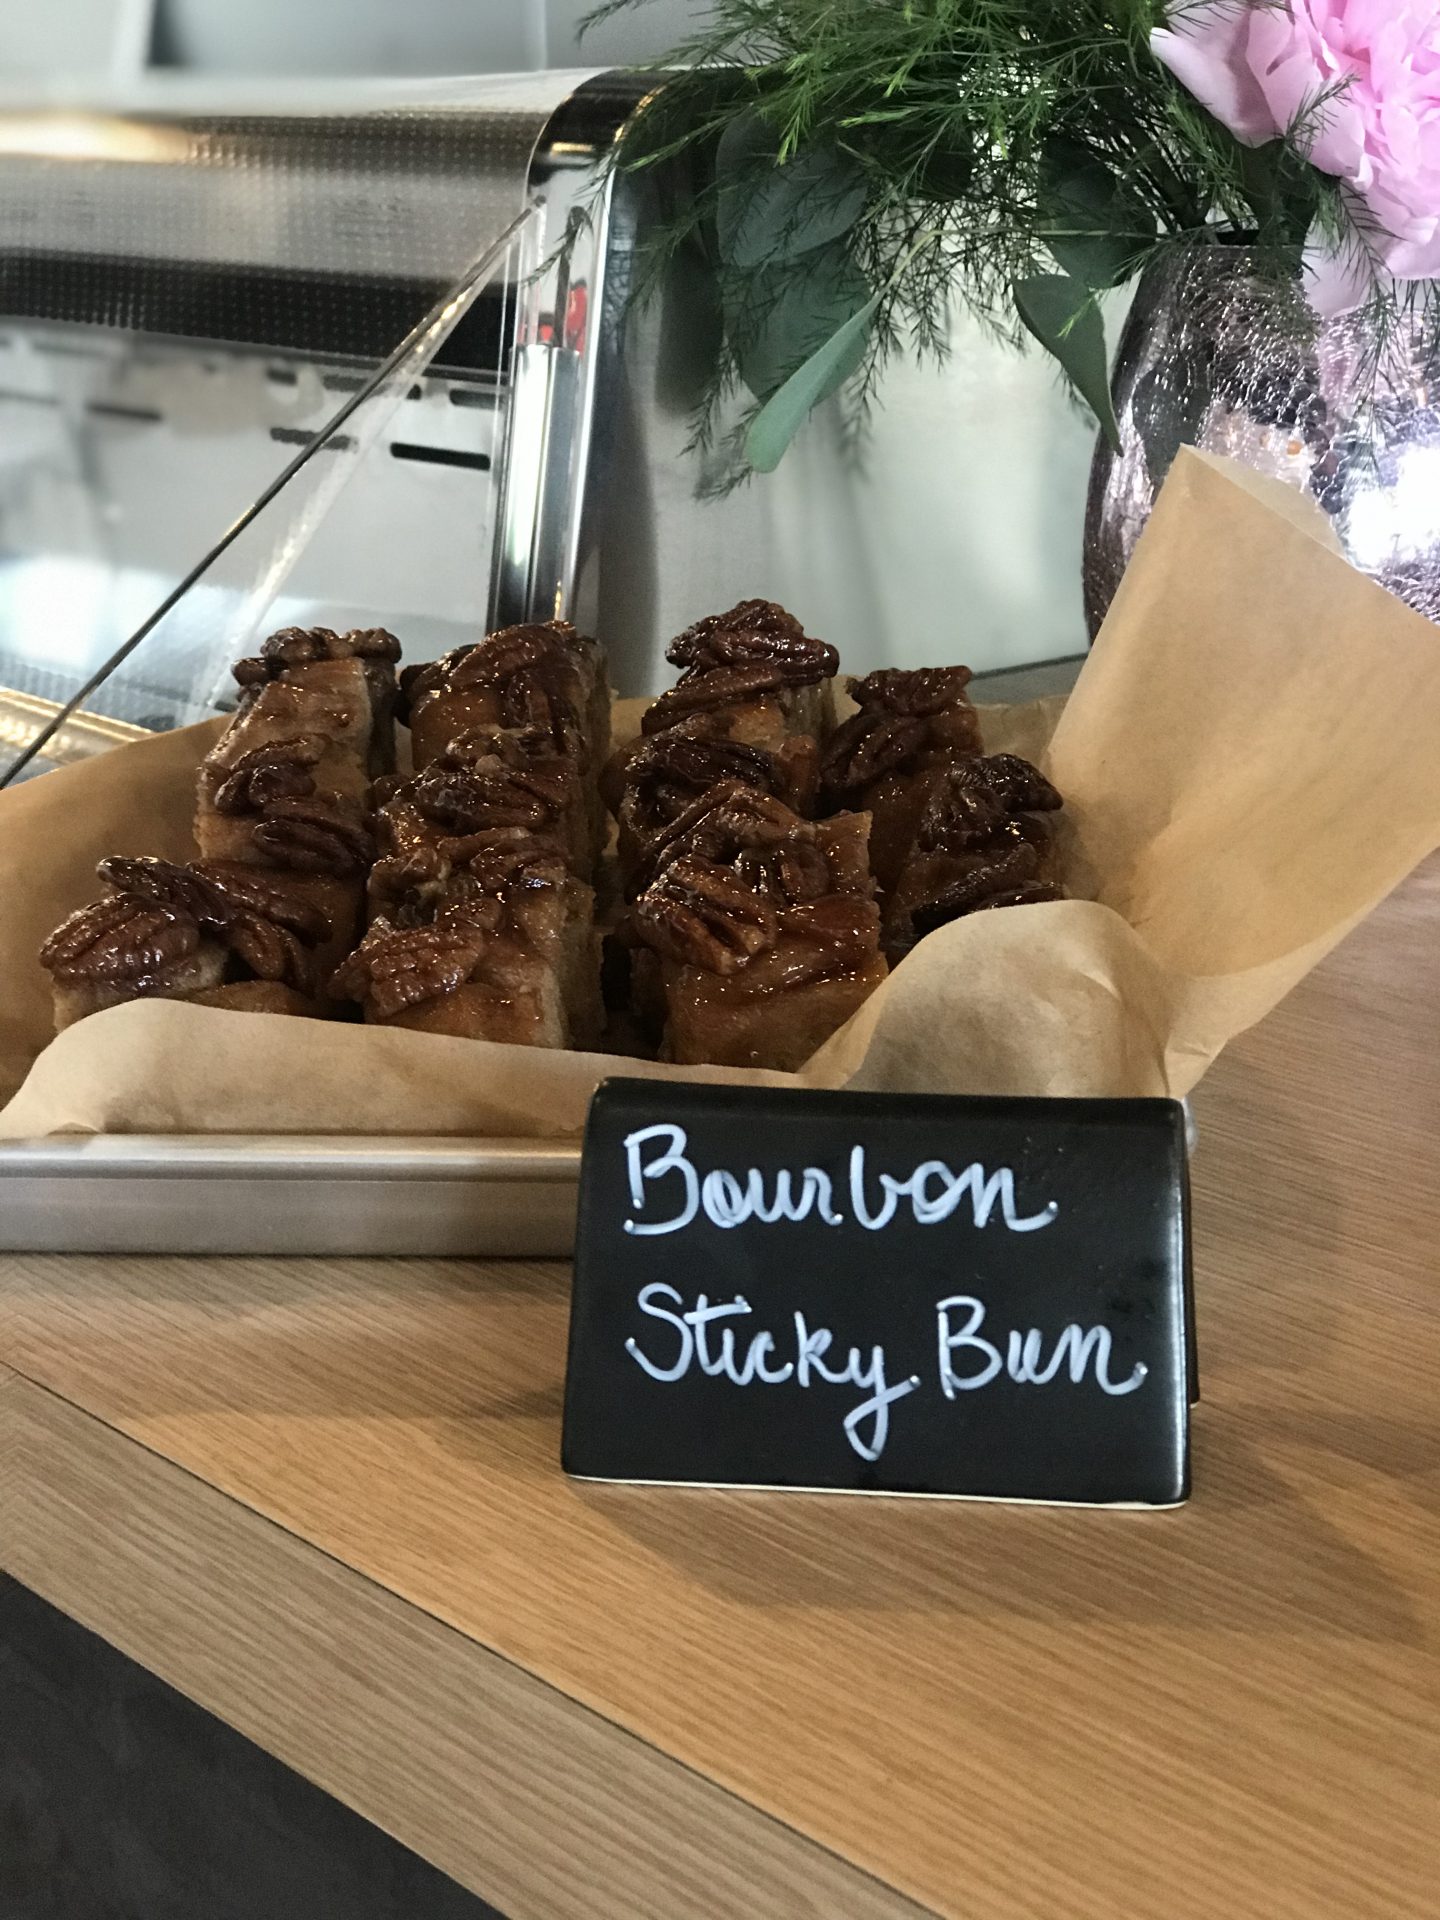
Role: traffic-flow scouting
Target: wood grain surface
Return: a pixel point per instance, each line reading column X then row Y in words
column 1227, row 1711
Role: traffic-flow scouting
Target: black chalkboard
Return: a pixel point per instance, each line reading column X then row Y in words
column 882, row 1293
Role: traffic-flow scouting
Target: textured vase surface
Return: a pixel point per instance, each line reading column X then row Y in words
column 1212, row 357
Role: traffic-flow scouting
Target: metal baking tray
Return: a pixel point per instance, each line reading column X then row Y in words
column 316, row 1194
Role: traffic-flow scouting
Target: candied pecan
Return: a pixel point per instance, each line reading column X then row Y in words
column 1015, row 868
column 724, row 822
column 750, row 616
column 506, row 861
column 916, row 691
column 514, row 746
column 703, row 915
column 404, row 887
column 754, row 633
column 978, row 798
column 800, row 661
column 1026, row 789
column 164, row 883
column 528, row 701
column 755, row 834
column 123, row 937
column 718, row 687
column 372, row 643
column 671, row 768
column 394, row 968
column 533, row 668
column 272, row 952
column 290, row 647
column 250, row 891
column 510, row 651
column 301, row 646
column 490, row 794
column 312, row 837
column 870, row 743
column 792, row 872
column 279, row 770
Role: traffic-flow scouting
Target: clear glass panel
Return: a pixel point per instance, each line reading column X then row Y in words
column 124, row 459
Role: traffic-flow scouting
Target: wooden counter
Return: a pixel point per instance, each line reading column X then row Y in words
column 322, row 1498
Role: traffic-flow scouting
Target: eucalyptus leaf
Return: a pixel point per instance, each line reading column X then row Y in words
column 1064, row 317
column 782, row 416
column 769, row 213
column 1281, row 188
column 1096, row 230
column 777, row 317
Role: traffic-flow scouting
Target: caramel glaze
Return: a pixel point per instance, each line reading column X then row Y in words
column 157, row 913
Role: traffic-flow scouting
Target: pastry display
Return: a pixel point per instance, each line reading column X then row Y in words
column 912, row 724
column 767, row 866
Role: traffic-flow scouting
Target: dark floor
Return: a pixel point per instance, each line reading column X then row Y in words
column 121, row 1800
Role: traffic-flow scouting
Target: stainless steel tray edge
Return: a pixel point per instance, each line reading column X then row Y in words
column 300, row 1194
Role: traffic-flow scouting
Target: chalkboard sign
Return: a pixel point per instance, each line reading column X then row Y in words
column 883, row 1294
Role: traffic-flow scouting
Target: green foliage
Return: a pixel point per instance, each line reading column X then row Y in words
column 852, row 169
column 1062, row 314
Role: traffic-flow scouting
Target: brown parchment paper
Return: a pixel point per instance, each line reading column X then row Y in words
column 1250, row 761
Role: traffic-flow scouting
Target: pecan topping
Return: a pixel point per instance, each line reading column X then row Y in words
column 372, row 643
column 271, row 930
column 491, row 794
column 394, row 967
column 124, row 937
column 253, row 893
column 534, row 669
column 669, row 770
column 500, row 656
column 754, row 633
column 703, row 915
column 793, row 871
column 277, row 771
column 273, row 952
column 312, row 837
column 165, row 884
column 870, row 743
column 720, row 687
column 515, row 746
column 490, row 661
column 728, row 820
column 978, row 799
column 894, row 726
column 300, row 646
column 916, row 691
column 500, row 863
column 1004, row 877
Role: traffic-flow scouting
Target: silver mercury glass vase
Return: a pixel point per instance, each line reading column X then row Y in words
column 1215, row 358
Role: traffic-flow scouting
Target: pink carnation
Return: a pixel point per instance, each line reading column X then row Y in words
column 1261, row 67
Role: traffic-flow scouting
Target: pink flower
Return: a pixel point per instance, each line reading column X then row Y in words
column 1358, row 82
